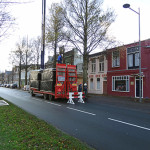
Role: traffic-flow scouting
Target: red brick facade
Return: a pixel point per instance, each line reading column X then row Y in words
column 123, row 70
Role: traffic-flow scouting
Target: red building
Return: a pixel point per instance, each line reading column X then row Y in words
column 123, row 70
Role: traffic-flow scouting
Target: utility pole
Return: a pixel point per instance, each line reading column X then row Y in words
column 43, row 33
column 140, row 70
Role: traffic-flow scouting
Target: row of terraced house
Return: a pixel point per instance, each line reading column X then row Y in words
column 116, row 71
column 113, row 72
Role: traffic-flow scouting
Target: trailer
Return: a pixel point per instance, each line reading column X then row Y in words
column 55, row 83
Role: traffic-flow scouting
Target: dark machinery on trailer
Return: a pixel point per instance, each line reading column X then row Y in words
column 60, row 82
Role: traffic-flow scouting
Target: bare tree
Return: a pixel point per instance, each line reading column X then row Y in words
column 36, row 47
column 88, row 25
column 28, row 55
column 54, row 28
column 6, row 20
column 16, row 58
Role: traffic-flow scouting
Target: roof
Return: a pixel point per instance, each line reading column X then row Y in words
column 96, row 54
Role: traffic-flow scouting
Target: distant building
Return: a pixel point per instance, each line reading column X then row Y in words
column 2, row 78
column 8, row 77
column 70, row 57
column 15, row 71
column 23, row 77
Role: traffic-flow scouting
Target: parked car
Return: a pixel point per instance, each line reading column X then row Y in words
column 2, row 85
column 8, row 86
column 5, row 85
column 14, row 85
column 26, row 88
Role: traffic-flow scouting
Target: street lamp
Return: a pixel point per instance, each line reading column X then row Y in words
column 140, row 85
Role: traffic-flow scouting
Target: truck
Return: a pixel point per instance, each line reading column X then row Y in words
column 55, row 83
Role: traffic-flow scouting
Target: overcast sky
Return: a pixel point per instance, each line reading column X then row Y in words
column 28, row 23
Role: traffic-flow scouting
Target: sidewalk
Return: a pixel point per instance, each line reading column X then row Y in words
column 120, row 101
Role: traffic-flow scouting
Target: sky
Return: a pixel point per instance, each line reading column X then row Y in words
column 28, row 23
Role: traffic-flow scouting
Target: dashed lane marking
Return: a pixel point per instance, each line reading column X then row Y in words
column 53, row 103
column 130, row 124
column 81, row 111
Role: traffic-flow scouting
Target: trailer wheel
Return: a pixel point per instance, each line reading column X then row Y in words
column 51, row 97
column 45, row 96
column 32, row 94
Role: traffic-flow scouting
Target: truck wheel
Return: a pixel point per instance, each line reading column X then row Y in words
column 45, row 96
column 32, row 94
column 51, row 97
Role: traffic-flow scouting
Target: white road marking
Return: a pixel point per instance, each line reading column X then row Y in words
column 2, row 102
column 81, row 111
column 45, row 101
column 53, row 103
column 129, row 124
column 37, row 99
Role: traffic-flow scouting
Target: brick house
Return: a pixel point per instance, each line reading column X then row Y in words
column 123, row 70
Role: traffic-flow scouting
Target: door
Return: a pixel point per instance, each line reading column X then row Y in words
column 137, row 87
column 104, row 87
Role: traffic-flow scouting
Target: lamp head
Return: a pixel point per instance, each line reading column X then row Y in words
column 126, row 6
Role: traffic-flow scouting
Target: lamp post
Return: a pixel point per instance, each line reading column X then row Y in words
column 140, row 85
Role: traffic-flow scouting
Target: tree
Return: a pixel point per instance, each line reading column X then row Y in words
column 88, row 25
column 36, row 46
column 16, row 57
column 54, row 28
column 27, row 56
column 6, row 20
column 21, row 57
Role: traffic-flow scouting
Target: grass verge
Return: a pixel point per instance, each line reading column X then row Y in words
column 20, row 131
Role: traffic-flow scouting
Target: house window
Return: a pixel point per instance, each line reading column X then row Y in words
column 133, row 57
column 93, row 65
column 115, row 59
column 98, row 83
column 91, row 84
column 101, row 64
column 120, row 83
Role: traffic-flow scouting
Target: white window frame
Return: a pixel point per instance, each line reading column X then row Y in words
column 93, row 64
column 133, row 57
column 116, row 61
column 120, row 78
column 98, row 87
column 101, row 64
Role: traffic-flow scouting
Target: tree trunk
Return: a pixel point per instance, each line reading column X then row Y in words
column 26, row 70
column 20, row 73
column 85, row 49
column 85, row 69
column 55, row 59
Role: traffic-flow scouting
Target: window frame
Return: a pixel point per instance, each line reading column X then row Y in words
column 121, row 78
column 91, row 85
column 132, row 52
column 101, row 64
column 93, row 65
column 98, row 84
column 117, row 60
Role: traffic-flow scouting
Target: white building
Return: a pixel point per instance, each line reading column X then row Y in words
column 97, row 73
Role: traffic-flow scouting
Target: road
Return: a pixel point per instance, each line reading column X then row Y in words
column 102, row 125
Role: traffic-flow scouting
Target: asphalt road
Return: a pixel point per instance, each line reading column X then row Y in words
column 99, row 122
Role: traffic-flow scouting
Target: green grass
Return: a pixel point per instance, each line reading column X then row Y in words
column 21, row 131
